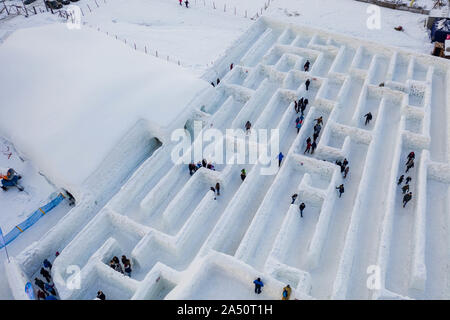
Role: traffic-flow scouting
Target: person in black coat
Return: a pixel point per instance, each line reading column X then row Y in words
column 302, row 207
column 46, row 275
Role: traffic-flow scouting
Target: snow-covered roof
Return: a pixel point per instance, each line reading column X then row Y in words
column 70, row 95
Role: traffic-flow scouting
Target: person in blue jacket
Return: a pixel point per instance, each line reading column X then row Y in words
column 47, row 264
column 258, row 284
column 280, row 158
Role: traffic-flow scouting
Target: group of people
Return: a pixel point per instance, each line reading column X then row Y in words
column 344, row 167
column 302, row 205
column 301, row 105
column 405, row 189
column 115, row 264
column 311, row 145
column 10, row 178
column 194, row 167
column 185, row 2
column 286, row 294
column 46, row 289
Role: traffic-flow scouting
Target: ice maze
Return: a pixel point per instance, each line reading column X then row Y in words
column 185, row 245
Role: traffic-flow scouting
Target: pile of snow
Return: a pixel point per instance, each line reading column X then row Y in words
column 90, row 91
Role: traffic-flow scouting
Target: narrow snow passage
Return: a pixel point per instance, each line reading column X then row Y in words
column 398, row 280
column 438, row 241
column 439, row 112
column 366, row 223
column 324, row 275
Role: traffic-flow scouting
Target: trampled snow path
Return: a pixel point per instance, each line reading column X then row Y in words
column 186, row 245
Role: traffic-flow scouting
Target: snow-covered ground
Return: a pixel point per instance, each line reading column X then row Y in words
column 105, row 135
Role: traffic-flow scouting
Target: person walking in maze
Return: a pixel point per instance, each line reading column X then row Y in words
column 217, row 81
column 308, row 147
column 243, row 174
column 258, row 285
column 411, row 155
column 40, row 284
column 213, row 190
column 295, row 106
column 280, row 158
column 50, row 288
column 46, row 274
column 47, row 264
column 307, row 83
column 368, row 117
column 315, row 136
column 298, row 124
column 313, row 146
column 345, row 162
column 286, row 293
column 191, row 168
column 300, row 104
column 117, row 265
column 248, row 126
column 306, row 66
column 346, row 172
column 101, row 295
column 41, row 295
column 218, row 188
column 305, row 102
column 408, row 179
column 400, row 180
column 302, row 207
column 319, row 120
column 409, row 165
column 405, row 188
column 187, row 6
column 406, row 198
column 294, row 196
column 181, row 2
column 341, row 190
column 126, row 265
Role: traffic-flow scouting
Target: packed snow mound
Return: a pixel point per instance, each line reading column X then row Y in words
column 91, row 90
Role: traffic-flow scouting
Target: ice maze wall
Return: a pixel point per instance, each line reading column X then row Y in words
column 184, row 244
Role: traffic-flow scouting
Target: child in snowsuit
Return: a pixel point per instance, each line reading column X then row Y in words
column 258, row 284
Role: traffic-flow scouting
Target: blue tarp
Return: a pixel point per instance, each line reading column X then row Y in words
column 440, row 30
column 32, row 219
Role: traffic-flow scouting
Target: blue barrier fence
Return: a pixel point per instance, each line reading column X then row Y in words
column 32, row 219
